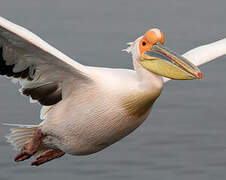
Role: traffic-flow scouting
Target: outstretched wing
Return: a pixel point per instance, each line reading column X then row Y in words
column 205, row 53
column 42, row 70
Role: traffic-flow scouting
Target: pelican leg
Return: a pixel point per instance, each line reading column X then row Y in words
column 48, row 155
column 32, row 147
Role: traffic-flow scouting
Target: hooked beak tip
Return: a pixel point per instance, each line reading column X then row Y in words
column 200, row 75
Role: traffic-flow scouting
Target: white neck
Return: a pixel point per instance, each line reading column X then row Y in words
column 148, row 80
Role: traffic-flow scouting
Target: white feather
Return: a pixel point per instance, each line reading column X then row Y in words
column 18, row 137
column 44, row 111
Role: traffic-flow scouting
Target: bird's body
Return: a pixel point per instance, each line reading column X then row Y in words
column 96, row 115
column 85, row 109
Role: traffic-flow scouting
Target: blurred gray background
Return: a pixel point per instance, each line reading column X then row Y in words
column 185, row 136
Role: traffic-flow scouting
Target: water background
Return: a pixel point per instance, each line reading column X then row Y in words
column 185, row 136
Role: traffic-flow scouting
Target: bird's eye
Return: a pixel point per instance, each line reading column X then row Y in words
column 143, row 43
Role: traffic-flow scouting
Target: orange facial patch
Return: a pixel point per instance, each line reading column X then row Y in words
column 150, row 38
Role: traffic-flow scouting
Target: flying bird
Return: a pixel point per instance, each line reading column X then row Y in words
column 86, row 109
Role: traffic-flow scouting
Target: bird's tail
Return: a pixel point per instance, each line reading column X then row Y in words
column 28, row 139
column 20, row 135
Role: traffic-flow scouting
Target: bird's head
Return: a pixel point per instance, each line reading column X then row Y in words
column 150, row 52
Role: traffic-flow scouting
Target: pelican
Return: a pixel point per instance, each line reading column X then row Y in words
column 86, row 109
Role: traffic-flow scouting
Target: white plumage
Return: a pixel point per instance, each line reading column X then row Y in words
column 85, row 109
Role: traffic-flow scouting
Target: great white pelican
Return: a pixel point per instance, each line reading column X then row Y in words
column 86, row 109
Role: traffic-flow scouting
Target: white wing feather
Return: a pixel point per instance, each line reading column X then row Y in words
column 205, row 53
column 41, row 69
column 27, row 38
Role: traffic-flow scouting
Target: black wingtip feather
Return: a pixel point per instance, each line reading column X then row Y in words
column 8, row 69
column 47, row 94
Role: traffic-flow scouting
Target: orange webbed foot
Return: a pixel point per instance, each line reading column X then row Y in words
column 48, row 155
